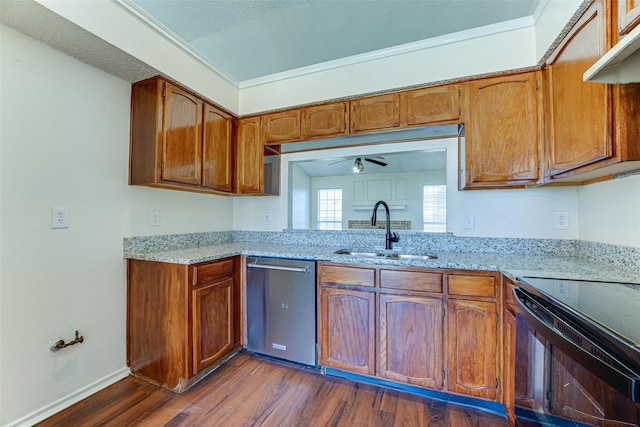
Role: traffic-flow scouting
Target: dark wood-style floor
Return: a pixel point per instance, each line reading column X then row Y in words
column 253, row 391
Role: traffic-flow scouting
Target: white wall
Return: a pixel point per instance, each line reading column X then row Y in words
column 521, row 213
column 300, row 193
column 64, row 141
column 397, row 189
column 113, row 23
column 506, row 50
column 610, row 212
column 549, row 23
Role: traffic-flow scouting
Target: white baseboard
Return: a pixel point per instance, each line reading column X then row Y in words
column 70, row 399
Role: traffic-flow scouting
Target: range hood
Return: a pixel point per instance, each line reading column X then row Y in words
column 621, row 64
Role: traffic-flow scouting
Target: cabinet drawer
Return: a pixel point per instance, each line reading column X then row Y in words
column 353, row 276
column 473, row 286
column 411, row 280
column 209, row 272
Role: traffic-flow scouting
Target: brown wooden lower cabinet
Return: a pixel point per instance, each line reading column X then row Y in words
column 509, row 367
column 214, row 322
column 472, row 348
column 418, row 342
column 348, row 330
column 181, row 319
column 411, row 339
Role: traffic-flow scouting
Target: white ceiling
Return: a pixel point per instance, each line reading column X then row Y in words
column 252, row 39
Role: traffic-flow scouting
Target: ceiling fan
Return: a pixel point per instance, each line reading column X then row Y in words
column 358, row 165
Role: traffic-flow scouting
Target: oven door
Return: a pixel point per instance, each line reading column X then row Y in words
column 563, row 375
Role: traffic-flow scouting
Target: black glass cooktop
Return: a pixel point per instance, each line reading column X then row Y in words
column 616, row 306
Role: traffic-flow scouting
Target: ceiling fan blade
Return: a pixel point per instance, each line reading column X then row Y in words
column 377, row 162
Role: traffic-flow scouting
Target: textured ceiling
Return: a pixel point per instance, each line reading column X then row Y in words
column 249, row 39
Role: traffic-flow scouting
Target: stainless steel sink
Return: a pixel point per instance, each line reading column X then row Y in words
column 381, row 254
column 410, row 256
column 360, row 253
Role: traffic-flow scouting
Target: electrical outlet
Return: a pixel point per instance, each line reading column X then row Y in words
column 267, row 218
column 469, row 221
column 154, row 218
column 59, row 217
column 560, row 220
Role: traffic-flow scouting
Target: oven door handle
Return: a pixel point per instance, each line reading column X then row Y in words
column 575, row 344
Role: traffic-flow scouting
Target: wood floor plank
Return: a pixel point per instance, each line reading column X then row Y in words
column 254, row 391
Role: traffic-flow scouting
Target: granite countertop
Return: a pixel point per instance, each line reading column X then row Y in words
column 512, row 265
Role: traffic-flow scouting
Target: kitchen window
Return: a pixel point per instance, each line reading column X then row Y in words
column 434, row 208
column 330, row 209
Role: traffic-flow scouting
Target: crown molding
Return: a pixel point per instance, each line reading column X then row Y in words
column 167, row 34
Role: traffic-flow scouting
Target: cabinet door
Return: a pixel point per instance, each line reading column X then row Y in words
column 249, row 152
column 509, row 363
column 217, row 149
column 411, row 340
column 471, row 348
column 628, row 15
column 503, row 134
column 325, row 121
column 430, row 105
column 375, row 113
column 580, row 122
column 213, row 323
column 181, row 137
column 348, row 330
column 281, row 127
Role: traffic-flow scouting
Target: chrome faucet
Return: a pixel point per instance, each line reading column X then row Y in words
column 389, row 238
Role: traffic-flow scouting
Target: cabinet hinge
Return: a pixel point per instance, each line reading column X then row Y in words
column 444, row 375
column 497, row 318
column 164, row 93
column 497, row 383
column 536, row 84
column 444, row 312
column 162, row 167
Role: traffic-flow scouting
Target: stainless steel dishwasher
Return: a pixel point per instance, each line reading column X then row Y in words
column 281, row 308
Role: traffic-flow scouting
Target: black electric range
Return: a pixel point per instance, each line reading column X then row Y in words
column 582, row 365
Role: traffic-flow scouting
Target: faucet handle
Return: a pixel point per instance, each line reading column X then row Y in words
column 394, row 237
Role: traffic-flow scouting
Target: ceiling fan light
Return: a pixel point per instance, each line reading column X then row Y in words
column 358, row 166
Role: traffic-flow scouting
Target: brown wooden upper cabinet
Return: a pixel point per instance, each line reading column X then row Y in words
column 503, row 134
column 249, row 156
column 593, row 129
column 628, row 15
column 176, row 139
column 580, row 114
column 432, row 105
column 375, row 113
column 217, row 149
column 325, row 121
column 281, row 127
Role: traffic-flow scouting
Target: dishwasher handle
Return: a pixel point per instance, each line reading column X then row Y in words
column 279, row 267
